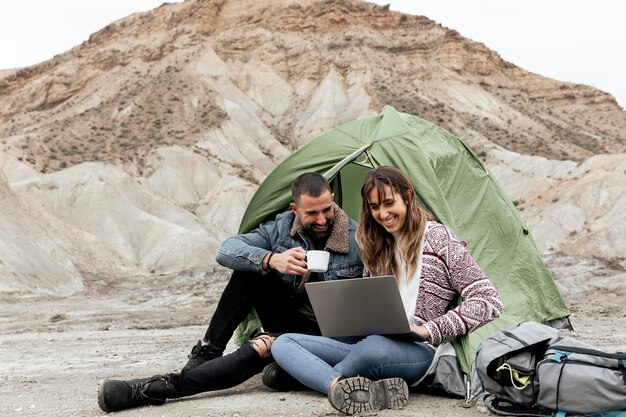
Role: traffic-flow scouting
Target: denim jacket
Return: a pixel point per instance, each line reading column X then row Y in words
column 246, row 252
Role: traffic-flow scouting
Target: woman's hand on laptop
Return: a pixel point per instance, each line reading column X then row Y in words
column 421, row 330
column 289, row 262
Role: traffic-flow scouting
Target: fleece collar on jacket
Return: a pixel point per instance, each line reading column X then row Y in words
column 339, row 239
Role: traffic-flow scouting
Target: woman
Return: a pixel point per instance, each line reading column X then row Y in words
column 431, row 266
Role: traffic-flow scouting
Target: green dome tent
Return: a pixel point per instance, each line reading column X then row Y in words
column 452, row 183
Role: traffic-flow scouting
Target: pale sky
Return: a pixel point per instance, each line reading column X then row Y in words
column 579, row 41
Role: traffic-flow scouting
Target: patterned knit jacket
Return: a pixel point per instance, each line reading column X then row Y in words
column 447, row 270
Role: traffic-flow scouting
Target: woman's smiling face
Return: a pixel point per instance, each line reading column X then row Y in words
column 390, row 212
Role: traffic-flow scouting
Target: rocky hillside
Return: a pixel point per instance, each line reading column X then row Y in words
column 136, row 152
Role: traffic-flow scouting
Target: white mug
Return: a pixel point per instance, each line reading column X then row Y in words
column 317, row 260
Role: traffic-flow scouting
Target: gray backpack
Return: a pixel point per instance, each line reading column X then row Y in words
column 530, row 370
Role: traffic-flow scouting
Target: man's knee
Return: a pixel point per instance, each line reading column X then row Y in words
column 246, row 276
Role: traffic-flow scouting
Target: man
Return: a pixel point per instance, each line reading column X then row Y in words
column 269, row 275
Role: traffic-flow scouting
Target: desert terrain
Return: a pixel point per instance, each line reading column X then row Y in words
column 55, row 350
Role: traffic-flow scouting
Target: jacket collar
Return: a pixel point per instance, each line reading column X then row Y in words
column 339, row 239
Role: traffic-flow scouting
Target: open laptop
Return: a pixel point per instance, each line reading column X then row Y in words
column 360, row 307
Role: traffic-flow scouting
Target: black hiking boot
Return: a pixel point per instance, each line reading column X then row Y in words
column 278, row 379
column 359, row 394
column 200, row 354
column 115, row 395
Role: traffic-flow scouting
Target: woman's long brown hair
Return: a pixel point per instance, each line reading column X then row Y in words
column 378, row 245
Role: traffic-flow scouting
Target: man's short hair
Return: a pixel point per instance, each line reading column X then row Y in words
column 310, row 183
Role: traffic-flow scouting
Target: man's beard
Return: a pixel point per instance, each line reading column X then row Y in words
column 323, row 236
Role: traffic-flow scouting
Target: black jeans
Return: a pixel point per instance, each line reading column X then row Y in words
column 276, row 306
column 273, row 300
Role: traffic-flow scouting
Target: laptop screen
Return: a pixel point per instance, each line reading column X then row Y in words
column 358, row 307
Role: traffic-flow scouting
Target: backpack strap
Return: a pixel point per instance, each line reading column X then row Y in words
column 559, row 355
column 505, row 407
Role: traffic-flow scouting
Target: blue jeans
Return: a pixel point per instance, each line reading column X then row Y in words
column 316, row 360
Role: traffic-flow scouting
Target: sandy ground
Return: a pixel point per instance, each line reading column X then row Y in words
column 53, row 351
